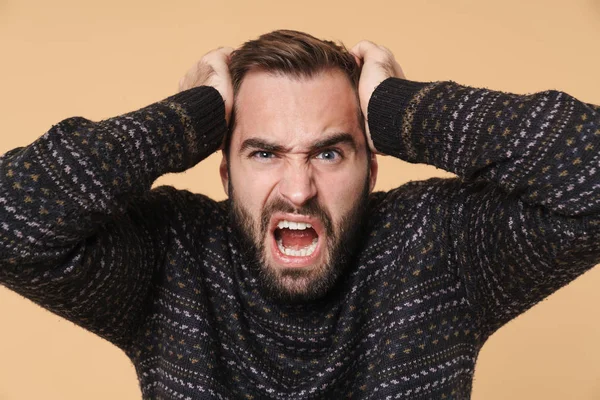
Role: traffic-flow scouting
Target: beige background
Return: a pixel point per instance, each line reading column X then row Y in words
column 98, row 59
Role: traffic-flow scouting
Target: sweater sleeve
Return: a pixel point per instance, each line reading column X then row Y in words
column 526, row 209
column 81, row 231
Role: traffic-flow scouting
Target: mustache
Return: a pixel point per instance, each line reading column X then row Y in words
column 311, row 208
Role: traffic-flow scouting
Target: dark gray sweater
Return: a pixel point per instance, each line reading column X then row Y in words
column 442, row 265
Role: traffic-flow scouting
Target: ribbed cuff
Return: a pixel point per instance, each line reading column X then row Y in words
column 206, row 109
column 198, row 99
column 203, row 110
column 386, row 110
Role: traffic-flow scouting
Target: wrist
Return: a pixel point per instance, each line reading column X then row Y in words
column 203, row 110
column 386, row 110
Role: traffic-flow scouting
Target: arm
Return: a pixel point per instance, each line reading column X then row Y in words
column 81, row 232
column 526, row 204
column 526, row 211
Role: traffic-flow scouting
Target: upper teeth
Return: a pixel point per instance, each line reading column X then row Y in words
column 293, row 225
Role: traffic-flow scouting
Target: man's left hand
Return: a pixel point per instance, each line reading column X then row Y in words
column 378, row 64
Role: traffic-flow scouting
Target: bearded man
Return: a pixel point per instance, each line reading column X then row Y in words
column 305, row 283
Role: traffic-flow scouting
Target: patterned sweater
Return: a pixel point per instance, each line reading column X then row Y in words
column 442, row 265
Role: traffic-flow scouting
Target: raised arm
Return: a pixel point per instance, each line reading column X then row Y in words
column 526, row 208
column 81, row 232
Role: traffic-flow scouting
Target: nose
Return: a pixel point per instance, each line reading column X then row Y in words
column 297, row 184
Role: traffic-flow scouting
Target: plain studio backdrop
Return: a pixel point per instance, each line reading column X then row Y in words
column 66, row 58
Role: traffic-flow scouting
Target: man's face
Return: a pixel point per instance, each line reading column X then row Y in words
column 298, row 156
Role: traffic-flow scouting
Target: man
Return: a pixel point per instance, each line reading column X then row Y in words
column 305, row 283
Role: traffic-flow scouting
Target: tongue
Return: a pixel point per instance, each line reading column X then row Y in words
column 296, row 239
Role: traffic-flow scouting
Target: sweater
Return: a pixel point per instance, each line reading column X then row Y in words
column 442, row 264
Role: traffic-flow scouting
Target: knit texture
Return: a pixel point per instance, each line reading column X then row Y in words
column 443, row 263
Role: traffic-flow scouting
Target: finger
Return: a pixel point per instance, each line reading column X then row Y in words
column 362, row 48
column 219, row 60
column 386, row 50
column 398, row 71
column 357, row 59
column 228, row 51
column 220, row 54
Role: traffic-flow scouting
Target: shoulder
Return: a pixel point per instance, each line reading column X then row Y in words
column 430, row 199
column 415, row 194
column 433, row 189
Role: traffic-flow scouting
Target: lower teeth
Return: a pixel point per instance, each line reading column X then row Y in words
column 307, row 251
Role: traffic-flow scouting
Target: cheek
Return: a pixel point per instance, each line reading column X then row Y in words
column 339, row 192
column 252, row 190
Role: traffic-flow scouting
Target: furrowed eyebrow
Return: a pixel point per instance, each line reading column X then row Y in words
column 255, row 143
column 338, row 138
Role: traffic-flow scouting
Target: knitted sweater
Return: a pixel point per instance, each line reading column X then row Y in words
column 442, row 265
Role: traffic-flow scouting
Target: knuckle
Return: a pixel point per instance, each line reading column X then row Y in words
column 387, row 51
column 200, row 64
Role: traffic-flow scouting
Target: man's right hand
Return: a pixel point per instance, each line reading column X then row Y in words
column 212, row 70
column 378, row 64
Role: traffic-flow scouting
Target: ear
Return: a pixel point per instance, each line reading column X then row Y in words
column 374, row 169
column 224, row 173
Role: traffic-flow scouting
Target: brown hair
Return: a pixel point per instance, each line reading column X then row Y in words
column 291, row 53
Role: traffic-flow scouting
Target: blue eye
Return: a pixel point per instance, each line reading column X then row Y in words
column 262, row 155
column 330, row 155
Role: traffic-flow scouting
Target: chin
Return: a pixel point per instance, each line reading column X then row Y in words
column 294, row 285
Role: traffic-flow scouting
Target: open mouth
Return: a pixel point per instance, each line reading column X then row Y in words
column 296, row 239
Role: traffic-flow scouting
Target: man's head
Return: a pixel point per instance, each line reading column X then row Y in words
column 297, row 154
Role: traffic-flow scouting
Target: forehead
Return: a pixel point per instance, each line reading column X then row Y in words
column 295, row 111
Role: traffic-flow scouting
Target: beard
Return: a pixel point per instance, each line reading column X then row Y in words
column 299, row 285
